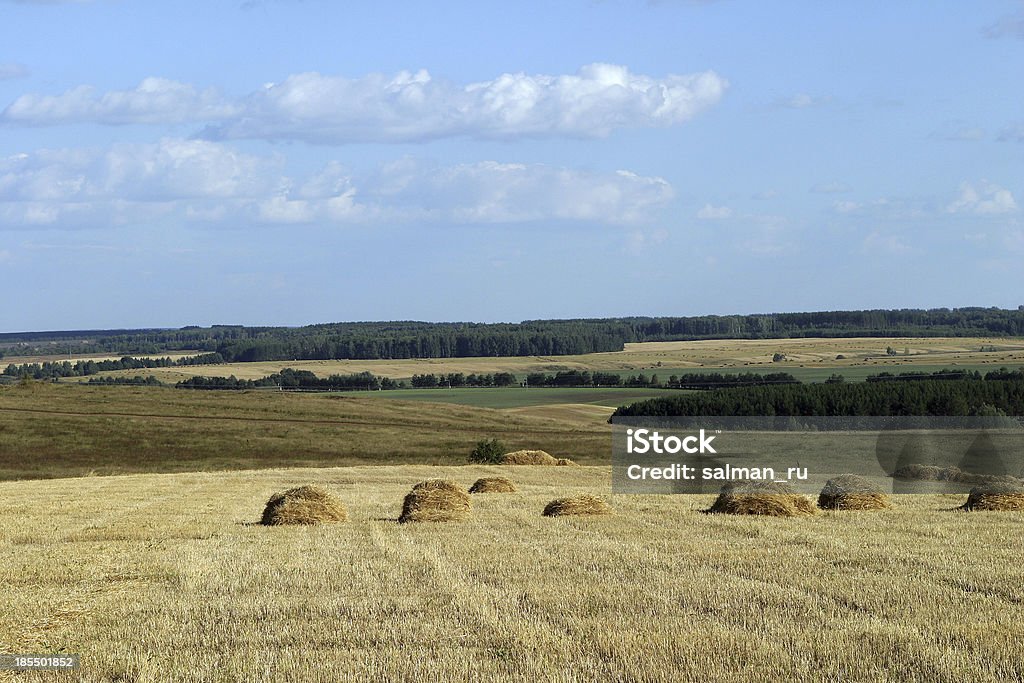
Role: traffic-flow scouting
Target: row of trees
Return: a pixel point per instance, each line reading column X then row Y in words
column 296, row 380
column 939, row 397
column 409, row 339
column 303, row 379
column 84, row 368
column 458, row 379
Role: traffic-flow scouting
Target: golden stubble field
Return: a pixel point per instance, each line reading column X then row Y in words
column 166, row 578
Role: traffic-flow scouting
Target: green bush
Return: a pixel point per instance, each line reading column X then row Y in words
column 488, row 451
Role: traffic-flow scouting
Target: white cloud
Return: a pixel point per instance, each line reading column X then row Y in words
column 209, row 183
column 164, row 171
column 710, row 212
column 803, row 101
column 154, row 100
column 492, row 192
column 987, row 198
column 830, row 188
column 879, row 242
column 12, row 70
column 405, row 107
column 873, row 206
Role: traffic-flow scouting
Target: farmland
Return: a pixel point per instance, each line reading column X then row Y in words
column 811, row 360
column 128, row 535
column 165, row 577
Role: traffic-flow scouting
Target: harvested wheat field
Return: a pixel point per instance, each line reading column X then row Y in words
column 583, row 504
column 852, row 492
column 164, row 578
column 304, row 505
column 493, row 485
column 765, row 498
column 435, row 500
column 996, row 496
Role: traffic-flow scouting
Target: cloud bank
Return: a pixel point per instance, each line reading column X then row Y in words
column 199, row 181
column 407, row 107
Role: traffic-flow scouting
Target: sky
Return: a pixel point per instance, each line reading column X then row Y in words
column 287, row 162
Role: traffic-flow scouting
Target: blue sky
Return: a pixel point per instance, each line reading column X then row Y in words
column 291, row 162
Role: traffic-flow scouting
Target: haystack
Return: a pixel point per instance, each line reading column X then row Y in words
column 528, row 458
column 493, row 485
column 584, row 504
column 533, row 458
column 852, row 492
column 762, row 498
column 435, row 500
column 954, row 474
column 997, row 496
column 304, row 505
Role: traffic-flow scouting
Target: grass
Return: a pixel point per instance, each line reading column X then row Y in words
column 518, row 397
column 59, row 430
column 167, row 578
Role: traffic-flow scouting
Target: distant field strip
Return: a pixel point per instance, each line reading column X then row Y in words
column 166, row 578
column 815, row 358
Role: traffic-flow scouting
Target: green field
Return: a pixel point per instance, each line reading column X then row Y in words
column 70, row 430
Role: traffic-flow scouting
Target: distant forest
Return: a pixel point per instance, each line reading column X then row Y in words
column 384, row 340
column 1000, row 392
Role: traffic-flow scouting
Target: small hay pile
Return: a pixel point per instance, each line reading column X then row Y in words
column 493, row 485
column 304, row 505
column 533, row 458
column 584, row 504
column 435, row 500
column 998, row 496
column 762, row 498
column 852, row 492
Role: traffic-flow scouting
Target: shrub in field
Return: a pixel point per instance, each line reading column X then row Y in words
column 488, row 451
column 304, row 505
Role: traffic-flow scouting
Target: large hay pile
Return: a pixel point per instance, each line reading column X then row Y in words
column 435, row 500
column 762, row 498
column 997, row 496
column 584, row 504
column 954, row 474
column 533, row 458
column 852, row 492
column 528, row 458
column 304, row 505
column 493, row 485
